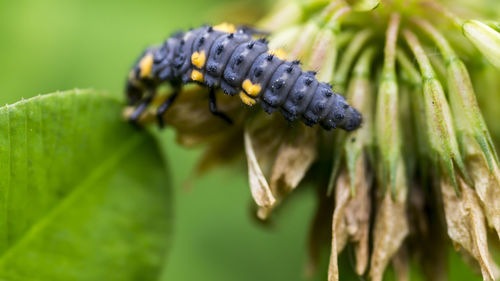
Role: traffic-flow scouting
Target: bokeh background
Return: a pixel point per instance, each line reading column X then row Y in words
column 49, row 45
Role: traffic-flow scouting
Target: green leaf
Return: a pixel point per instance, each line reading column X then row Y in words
column 83, row 195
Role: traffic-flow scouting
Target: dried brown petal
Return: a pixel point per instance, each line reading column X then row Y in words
column 261, row 147
column 261, row 191
column 294, row 158
column 466, row 225
column 192, row 119
column 391, row 226
column 351, row 219
column 486, row 183
column 357, row 215
column 221, row 151
column 339, row 231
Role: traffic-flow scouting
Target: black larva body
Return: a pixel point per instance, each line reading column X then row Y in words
column 233, row 61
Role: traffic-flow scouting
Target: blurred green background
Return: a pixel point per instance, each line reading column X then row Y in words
column 49, row 45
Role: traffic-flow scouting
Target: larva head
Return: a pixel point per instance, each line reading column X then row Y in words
column 140, row 78
column 353, row 119
column 342, row 115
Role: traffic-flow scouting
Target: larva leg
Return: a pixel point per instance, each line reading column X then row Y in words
column 165, row 106
column 140, row 109
column 213, row 107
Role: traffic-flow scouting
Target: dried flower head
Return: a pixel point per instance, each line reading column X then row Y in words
column 422, row 169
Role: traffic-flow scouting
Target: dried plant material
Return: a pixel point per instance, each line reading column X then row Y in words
column 357, row 215
column 191, row 117
column 466, row 225
column 339, row 231
column 351, row 219
column 261, row 147
column 261, row 191
column 391, row 227
column 486, row 184
column 293, row 160
column 220, row 151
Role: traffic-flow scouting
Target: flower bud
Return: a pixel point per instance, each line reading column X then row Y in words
column 365, row 5
column 387, row 126
column 485, row 38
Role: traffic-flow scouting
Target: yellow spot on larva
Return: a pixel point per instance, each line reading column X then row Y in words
column 198, row 59
column 145, row 65
column 225, row 27
column 250, row 88
column 246, row 99
column 280, row 53
column 197, row 76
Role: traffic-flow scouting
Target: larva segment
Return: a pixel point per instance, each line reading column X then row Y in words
column 182, row 60
column 262, row 70
column 239, row 64
column 340, row 114
column 201, row 48
column 279, row 86
column 163, row 61
column 220, row 53
column 317, row 108
column 300, row 96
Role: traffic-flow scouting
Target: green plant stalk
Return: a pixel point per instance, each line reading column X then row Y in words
column 361, row 96
column 467, row 115
column 344, row 38
column 323, row 54
column 408, row 71
column 412, row 76
column 284, row 38
column 439, row 120
column 345, row 64
column 303, row 46
column 386, row 124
